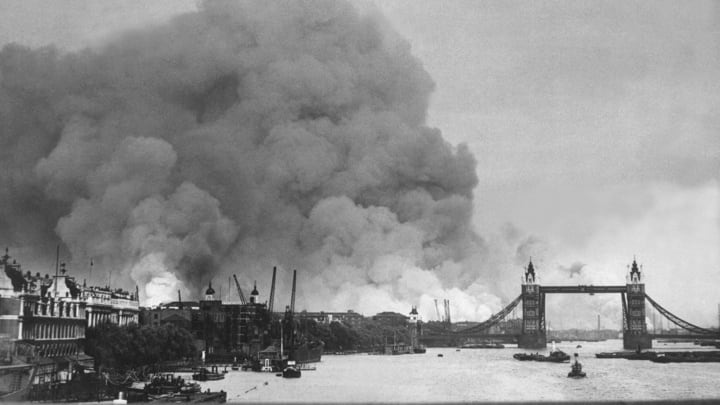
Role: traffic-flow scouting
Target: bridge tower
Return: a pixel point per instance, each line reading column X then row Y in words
column 635, row 334
column 533, row 335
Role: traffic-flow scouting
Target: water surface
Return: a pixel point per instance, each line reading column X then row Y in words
column 480, row 375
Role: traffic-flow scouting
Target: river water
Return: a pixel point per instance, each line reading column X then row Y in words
column 480, row 375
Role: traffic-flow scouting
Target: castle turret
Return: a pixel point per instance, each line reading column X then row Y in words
column 530, row 273
column 634, row 275
column 210, row 293
column 254, row 294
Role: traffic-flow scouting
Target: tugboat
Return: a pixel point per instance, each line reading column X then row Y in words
column 291, row 370
column 576, row 369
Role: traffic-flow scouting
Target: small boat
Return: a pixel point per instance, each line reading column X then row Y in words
column 440, row 354
column 291, row 370
column 557, row 356
column 167, row 384
column 207, row 396
column 524, row 356
column 641, row 356
column 611, row 355
column 686, row 357
column 203, row 374
column 576, row 369
column 484, row 345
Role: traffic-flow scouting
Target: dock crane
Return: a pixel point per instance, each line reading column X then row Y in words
column 242, row 297
column 447, row 311
column 292, row 297
column 289, row 317
column 272, row 292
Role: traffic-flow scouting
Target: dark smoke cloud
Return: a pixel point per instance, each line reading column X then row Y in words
column 575, row 268
column 242, row 136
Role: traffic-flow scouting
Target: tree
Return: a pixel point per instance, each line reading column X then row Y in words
column 128, row 347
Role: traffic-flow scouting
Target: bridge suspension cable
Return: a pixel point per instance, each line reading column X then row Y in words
column 493, row 320
column 677, row 321
column 624, row 313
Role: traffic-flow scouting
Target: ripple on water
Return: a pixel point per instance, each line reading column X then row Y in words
column 477, row 375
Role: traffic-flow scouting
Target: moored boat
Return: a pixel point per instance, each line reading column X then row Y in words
column 557, row 356
column 484, row 345
column 291, row 370
column 686, row 357
column 207, row 396
column 165, row 384
column 203, row 374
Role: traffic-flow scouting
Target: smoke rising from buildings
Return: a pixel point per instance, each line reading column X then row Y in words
column 240, row 137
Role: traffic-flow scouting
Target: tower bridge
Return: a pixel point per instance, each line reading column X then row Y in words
column 533, row 331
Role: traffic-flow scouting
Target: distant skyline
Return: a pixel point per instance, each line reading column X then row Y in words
column 594, row 126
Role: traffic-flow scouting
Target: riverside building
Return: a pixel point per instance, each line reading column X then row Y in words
column 43, row 321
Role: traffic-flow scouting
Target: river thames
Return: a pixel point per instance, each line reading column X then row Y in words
column 480, row 375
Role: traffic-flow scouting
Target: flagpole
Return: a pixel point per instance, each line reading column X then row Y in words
column 57, row 264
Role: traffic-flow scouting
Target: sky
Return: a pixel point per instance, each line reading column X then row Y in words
column 593, row 126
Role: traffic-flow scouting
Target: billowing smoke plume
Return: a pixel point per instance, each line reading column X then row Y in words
column 244, row 136
column 574, row 269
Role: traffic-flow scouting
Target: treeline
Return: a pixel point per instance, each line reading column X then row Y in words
column 366, row 336
column 124, row 348
column 129, row 347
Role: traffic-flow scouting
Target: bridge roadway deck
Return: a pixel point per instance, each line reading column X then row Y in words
column 582, row 289
column 452, row 336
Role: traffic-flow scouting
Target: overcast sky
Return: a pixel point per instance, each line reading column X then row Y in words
column 595, row 125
